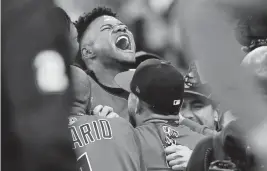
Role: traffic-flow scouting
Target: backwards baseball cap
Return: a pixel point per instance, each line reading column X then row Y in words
column 141, row 56
column 157, row 83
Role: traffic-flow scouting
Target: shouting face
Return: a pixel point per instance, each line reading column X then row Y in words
column 110, row 40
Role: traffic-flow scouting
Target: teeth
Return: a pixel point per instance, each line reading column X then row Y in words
column 122, row 37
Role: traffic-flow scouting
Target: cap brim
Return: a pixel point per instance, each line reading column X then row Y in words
column 196, row 93
column 203, row 91
column 143, row 56
column 124, row 79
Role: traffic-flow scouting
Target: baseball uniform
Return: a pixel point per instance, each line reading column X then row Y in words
column 114, row 97
column 160, row 88
column 157, row 133
column 105, row 144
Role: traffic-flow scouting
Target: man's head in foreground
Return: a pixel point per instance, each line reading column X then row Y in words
column 155, row 87
column 69, row 26
column 256, row 63
column 251, row 31
column 104, row 40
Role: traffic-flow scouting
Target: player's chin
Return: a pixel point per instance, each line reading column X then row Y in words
column 127, row 56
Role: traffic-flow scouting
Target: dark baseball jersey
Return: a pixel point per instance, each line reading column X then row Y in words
column 105, row 144
column 156, row 134
column 114, row 97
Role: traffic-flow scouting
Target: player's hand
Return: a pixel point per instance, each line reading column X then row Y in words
column 105, row 111
column 177, row 156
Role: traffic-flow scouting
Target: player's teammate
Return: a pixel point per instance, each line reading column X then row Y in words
column 101, row 143
column 107, row 48
column 199, row 106
column 157, row 90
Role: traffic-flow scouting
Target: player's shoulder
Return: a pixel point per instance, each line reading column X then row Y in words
column 114, row 122
column 120, row 123
column 75, row 120
column 146, row 129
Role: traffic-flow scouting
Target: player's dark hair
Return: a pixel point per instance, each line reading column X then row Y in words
column 155, row 110
column 81, row 25
column 84, row 21
column 251, row 30
column 161, row 113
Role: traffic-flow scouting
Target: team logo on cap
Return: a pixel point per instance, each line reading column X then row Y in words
column 192, row 78
column 176, row 102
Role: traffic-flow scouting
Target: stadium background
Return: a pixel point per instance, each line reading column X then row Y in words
column 154, row 24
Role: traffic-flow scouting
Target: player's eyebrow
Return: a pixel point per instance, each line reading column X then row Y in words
column 109, row 25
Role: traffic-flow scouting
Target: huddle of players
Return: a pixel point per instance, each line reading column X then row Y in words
column 156, row 92
column 104, row 42
column 48, row 107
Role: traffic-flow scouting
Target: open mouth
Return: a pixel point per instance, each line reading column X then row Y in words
column 123, row 43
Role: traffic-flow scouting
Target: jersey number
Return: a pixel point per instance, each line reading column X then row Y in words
column 84, row 163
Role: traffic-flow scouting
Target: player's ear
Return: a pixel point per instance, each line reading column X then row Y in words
column 138, row 109
column 216, row 116
column 87, row 52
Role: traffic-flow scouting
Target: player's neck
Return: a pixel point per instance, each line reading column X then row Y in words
column 105, row 75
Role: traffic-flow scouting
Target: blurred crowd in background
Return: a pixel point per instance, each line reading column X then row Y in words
column 154, row 24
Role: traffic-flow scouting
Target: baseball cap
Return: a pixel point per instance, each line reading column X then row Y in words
column 82, row 90
column 141, row 56
column 194, row 84
column 157, row 83
column 202, row 90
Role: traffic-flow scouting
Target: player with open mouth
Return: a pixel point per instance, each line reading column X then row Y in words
column 107, row 48
column 123, row 42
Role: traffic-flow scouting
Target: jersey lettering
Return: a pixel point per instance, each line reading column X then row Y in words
column 86, row 133
column 75, row 137
column 97, row 134
column 106, row 129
